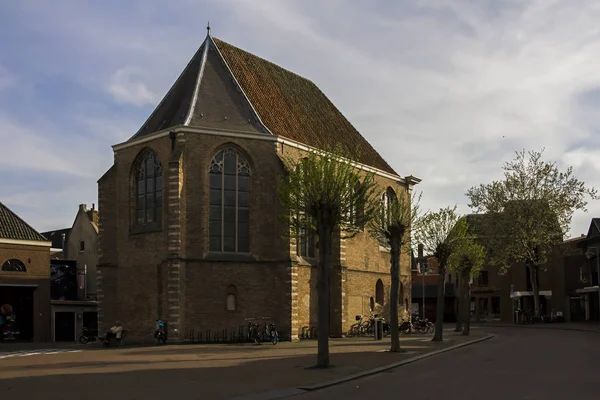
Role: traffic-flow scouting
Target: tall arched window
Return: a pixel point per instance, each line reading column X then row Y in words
column 387, row 198
column 148, row 203
column 379, row 292
column 14, row 265
column 229, row 222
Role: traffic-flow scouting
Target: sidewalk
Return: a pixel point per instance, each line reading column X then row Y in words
column 214, row 371
column 570, row 326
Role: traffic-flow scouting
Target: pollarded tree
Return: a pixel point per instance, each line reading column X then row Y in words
column 323, row 194
column 441, row 233
column 528, row 213
column 395, row 216
column 467, row 261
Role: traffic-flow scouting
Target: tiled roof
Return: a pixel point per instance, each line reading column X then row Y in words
column 13, row 227
column 294, row 107
column 288, row 105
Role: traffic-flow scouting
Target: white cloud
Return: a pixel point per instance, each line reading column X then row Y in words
column 127, row 86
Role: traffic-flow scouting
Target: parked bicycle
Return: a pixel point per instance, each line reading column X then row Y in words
column 422, row 325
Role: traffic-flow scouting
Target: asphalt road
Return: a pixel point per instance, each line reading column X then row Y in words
column 517, row 364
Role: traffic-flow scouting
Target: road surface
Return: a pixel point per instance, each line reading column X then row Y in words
column 518, row 364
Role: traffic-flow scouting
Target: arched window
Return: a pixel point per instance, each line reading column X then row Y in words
column 406, row 304
column 229, row 223
column 379, row 292
column 387, row 198
column 372, row 303
column 149, row 199
column 231, row 297
column 14, row 265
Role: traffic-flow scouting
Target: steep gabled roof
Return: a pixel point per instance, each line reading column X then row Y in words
column 271, row 100
column 13, row 227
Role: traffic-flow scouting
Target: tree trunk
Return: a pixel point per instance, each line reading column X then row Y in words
column 439, row 312
column 325, row 233
column 459, row 304
column 466, row 300
column 395, row 274
column 533, row 273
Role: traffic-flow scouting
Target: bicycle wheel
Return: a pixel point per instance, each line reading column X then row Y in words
column 430, row 328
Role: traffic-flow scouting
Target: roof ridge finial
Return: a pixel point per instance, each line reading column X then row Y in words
column 208, row 29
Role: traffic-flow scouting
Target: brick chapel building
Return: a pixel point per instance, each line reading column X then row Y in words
column 188, row 211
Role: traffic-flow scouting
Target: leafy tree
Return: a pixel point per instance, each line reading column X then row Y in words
column 528, row 213
column 467, row 261
column 324, row 193
column 441, row 233
column 394, row 218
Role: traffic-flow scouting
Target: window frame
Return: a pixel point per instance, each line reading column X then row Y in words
column 140, row 176
column 218, row 167
column 18, row 262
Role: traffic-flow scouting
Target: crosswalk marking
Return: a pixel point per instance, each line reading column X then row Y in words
column 27, row 353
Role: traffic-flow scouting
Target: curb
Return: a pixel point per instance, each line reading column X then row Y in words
column 292, row 391
column 391, row 366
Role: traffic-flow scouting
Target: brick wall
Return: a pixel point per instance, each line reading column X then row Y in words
column 170, row 272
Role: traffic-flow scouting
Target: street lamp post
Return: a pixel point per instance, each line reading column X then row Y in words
column 589, row 255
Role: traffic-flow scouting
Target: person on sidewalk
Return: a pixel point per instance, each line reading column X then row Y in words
column 114, row 332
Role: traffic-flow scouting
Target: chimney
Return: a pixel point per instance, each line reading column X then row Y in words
column 420, row 253
column 83, row 207
column 93, row 206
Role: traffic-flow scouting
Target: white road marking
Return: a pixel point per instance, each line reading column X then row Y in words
column 26, row 353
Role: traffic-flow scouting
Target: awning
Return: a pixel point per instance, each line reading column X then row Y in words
column 546, row 293
column 589, row 289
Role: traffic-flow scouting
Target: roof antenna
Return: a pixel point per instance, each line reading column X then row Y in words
column 208, row 29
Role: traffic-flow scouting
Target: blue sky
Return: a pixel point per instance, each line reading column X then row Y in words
column 445, row 90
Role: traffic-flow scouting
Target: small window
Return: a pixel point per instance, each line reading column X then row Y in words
column 231, row 302
column 231, row 297
column 406, row 304
column 372, row 303
column 81, row 245
column 449, row 278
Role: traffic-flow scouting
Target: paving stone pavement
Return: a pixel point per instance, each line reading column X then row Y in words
column 197, row 371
